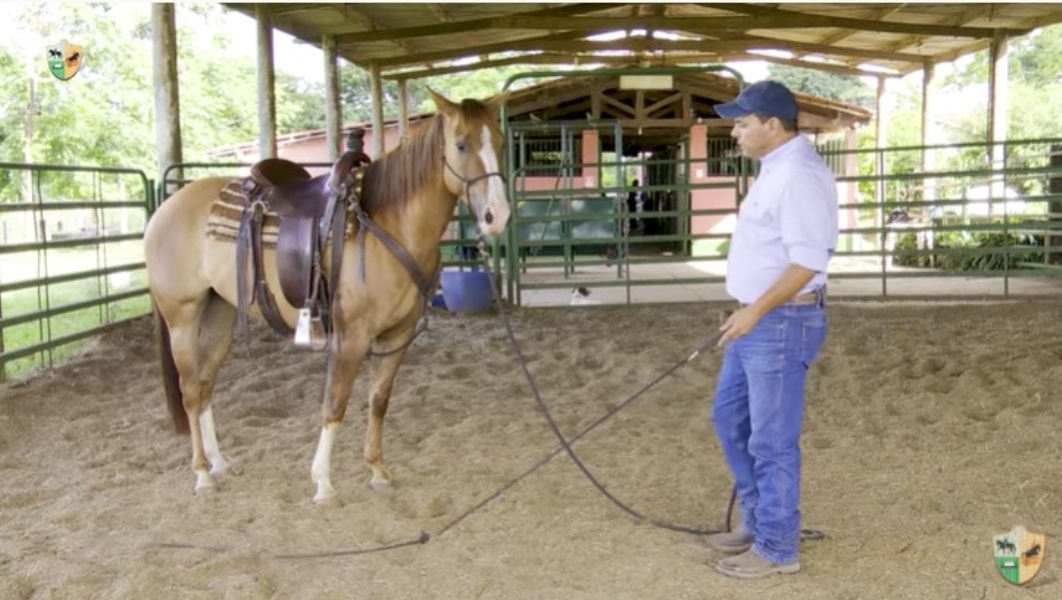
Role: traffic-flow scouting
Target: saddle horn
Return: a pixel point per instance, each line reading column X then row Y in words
column 341, row 169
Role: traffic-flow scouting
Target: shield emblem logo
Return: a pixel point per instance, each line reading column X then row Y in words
column 1019, row 554
column 65, row 59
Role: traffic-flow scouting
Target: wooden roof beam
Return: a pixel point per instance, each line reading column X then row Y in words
column 425, row 58
column 351, row 10
column 747, row 43
column 562, row 13
column 838, row 36
column 560, row 58
column 784, row 20
column 289, row 9
column 571, row 22
column 440, row 13
column 567, row 42
column 975, row 12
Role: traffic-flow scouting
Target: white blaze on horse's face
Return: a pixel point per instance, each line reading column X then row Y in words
column 492, row 209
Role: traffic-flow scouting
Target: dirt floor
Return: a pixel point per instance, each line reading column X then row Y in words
column 929, row 429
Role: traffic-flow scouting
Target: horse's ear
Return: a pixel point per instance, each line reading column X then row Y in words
column 494, row 104
column 445, row 106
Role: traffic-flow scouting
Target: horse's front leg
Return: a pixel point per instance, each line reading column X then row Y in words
column 383, row 378
column 344, row 358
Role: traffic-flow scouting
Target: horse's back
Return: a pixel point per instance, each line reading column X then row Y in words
column 175, row 241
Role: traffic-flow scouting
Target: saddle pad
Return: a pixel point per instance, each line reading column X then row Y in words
column 227, row 210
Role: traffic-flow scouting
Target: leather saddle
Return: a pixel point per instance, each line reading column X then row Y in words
column 309, row 209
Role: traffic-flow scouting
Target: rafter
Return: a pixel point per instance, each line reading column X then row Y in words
column 974, row 13
column 439, row 12
column 788, row 20
column 289, row 9
column 511, row 22
column 528, row 44
column 723, row 28
column 351, row 8
column 837, row 36
column 782, row 20
column 561, row 58
column 567, row 42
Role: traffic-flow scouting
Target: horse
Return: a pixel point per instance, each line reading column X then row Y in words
column 410, row 193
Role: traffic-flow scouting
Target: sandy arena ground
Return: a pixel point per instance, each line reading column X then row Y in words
column 930, row 429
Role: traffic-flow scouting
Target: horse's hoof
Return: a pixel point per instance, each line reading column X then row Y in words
column 204, row 483
column 380, row 485
column 331, row 500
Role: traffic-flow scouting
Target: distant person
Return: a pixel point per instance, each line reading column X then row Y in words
column 633, row 198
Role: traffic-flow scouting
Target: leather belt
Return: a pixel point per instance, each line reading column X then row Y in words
column 808, row 298
column 813, row 297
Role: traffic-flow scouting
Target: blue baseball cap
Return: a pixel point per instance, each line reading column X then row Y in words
column 768, row 98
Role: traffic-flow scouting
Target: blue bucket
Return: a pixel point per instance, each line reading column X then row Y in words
column 466, row 291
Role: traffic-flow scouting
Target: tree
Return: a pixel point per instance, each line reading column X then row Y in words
column 824, row 84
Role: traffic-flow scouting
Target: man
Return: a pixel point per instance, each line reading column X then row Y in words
column 785, row 235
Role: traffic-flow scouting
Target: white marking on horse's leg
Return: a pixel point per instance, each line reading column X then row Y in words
column 322, row 463
column 204, row 483
column 218, row 464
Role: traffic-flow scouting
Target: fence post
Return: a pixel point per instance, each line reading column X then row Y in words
column 3, row 365
column 1053, row 237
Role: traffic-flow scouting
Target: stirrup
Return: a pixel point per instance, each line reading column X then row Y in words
column 310, row 331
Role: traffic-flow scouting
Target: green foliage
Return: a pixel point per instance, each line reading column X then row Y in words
column 480, row 84
column 971, row 251
column 1035, row 59
column 824, row 84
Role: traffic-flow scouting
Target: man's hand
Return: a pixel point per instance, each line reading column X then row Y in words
column 739, row 324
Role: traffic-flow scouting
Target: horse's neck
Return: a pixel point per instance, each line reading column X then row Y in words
column 420, row 224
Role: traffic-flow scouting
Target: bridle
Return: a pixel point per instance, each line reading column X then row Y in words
column 469, row 182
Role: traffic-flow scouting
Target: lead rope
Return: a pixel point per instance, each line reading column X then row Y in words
column 705, row 345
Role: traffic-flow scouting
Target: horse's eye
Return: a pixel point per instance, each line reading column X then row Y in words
column 461, row 147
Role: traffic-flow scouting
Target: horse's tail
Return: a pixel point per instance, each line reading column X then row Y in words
column 170, row 377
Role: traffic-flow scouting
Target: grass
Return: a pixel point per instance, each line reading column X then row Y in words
column 100, row 289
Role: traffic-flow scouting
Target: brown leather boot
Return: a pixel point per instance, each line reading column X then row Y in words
column 731, row 542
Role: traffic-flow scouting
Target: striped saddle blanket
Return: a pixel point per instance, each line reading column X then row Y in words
column 227, row 210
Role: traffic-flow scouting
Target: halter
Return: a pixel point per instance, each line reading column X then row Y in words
column 469, row 182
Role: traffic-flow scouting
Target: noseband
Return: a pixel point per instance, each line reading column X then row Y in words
column 470, row 182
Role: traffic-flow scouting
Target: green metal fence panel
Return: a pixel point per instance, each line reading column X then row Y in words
column 967, row 228
column 72, row 259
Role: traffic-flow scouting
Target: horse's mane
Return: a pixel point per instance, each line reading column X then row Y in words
column 393, row 180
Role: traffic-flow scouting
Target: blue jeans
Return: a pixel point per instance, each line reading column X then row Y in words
column 758, row 411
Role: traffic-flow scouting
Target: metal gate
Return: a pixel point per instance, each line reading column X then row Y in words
column 73, row 262
column 625, row 227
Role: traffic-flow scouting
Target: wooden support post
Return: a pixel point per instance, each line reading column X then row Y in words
column 333, row 108
column 997, row 117
column 881, row 140
column 167, row 99
column 1054, row 207
column 376, row 82
column 929, row 136
column 403, row 110
column 267, row 102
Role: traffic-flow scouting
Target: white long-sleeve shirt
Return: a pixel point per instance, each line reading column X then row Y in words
column 789, row 216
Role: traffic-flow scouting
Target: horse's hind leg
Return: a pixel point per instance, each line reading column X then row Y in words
column 215, row 339
column 200, row 337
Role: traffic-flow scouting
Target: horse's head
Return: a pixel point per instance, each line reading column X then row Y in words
column 471, row 154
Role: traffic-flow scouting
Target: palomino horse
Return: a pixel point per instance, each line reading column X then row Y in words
column 410, row 193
